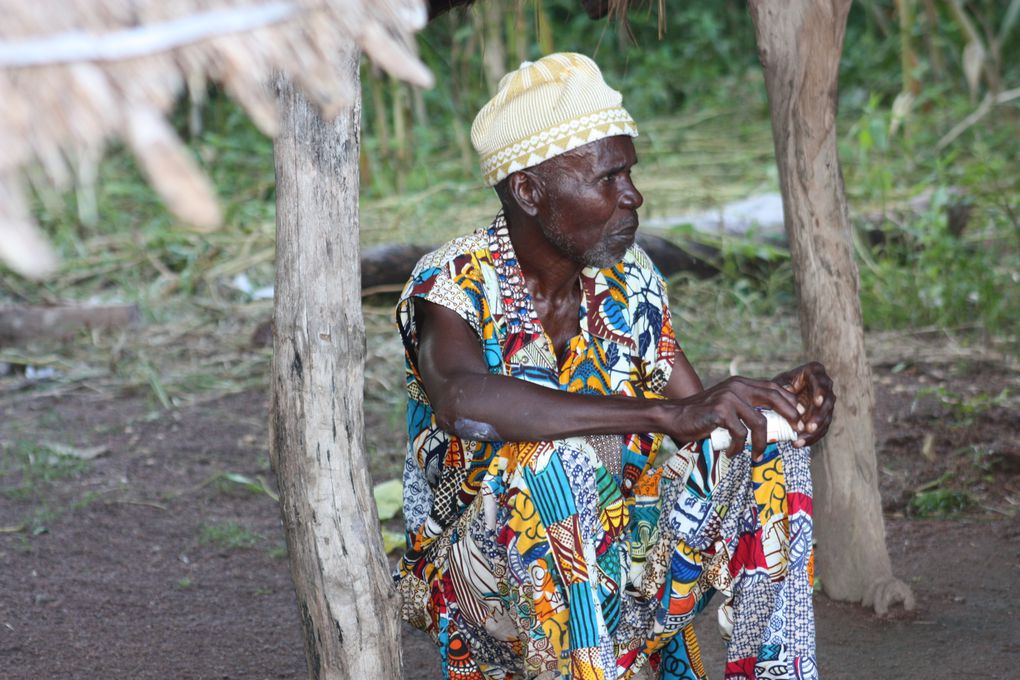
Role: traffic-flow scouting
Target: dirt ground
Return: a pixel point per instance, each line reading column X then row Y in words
column 163, row 556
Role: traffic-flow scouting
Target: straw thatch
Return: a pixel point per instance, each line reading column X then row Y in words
column 78, row 74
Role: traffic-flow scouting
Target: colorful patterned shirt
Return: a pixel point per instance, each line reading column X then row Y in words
column 556, row 559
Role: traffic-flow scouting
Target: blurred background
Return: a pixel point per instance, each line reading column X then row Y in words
column 936, row 218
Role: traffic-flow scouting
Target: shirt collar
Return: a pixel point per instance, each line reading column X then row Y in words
column 602, row 312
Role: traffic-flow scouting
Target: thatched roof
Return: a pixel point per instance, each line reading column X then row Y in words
column 77, row 74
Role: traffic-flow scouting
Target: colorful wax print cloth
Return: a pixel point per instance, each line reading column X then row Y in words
column 582, row 557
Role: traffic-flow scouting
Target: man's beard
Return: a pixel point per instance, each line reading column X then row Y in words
column 601, row 255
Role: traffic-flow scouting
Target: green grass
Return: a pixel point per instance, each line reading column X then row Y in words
column 228, row 536
column 30, row 474
column 747, row 325
column 86, row 499
column 28, row 469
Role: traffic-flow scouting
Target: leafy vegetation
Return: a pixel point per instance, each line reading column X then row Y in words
column 948, row 264
column 940, row 502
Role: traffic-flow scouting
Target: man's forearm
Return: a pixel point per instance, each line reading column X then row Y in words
column 475, row 404
column 500, row 408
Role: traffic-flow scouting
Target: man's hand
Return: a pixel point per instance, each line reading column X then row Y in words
column 731, row 406
column 812, row 388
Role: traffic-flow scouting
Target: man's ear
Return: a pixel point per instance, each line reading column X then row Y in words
column 526, row 189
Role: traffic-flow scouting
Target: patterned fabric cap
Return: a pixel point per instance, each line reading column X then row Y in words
column 543, row 109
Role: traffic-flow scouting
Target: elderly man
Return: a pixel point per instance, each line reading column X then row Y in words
column 546, row 537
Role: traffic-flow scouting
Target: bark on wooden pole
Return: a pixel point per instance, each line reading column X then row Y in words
column 800, row 43
column 349, row 608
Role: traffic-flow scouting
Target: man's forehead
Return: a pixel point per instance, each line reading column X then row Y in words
column 606, row 153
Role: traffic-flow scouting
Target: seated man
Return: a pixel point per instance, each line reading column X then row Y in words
column 545, row 539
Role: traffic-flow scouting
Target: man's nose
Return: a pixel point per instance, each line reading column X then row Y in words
column 631, row 198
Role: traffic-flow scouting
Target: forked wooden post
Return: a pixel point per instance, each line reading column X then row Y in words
column 800, row 43
column 349, row 607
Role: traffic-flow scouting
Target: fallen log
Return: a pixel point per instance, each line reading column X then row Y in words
column 759, row 217
column 21, row 324
column 696, row 258
column 389, row 264
column 386, row 266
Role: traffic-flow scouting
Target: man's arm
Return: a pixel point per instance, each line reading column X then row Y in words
column 683, row 381
column 472, row 403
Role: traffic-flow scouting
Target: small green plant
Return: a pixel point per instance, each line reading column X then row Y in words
column 962, row 409
column 940, row 502
column 231, row 482
column 32, row 466
column 28, row 471
column 23, row 546
column 279, row 552
column 38, row 522
column 229, row 535
column 984, row 458
column 185, row 583
column 86, row 499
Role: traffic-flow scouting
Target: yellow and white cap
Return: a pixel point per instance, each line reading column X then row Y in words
column 543, row 109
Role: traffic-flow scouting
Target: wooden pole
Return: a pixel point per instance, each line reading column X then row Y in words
column 800, row 43
column 349, row 607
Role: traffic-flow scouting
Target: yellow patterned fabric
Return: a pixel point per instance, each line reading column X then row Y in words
column 543, row 109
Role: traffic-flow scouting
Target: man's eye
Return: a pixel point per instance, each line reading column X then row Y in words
column 609, row 178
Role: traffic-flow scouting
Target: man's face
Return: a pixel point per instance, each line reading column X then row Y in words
column 589, row 211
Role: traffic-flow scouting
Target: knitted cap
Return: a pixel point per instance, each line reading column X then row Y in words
column 543, row 109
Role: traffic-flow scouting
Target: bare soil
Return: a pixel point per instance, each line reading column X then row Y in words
column 156, row 560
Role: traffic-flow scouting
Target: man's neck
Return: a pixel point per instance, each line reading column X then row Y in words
column 549, row 275
column 552, row 280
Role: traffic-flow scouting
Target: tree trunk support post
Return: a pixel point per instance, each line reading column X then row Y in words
column 800, row 43
column 349, row 608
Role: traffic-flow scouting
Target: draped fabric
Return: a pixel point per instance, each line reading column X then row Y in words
column 587, row 557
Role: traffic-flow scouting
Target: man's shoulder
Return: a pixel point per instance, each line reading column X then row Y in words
column 639, row 276
column 637, row 258
column 457, row 249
